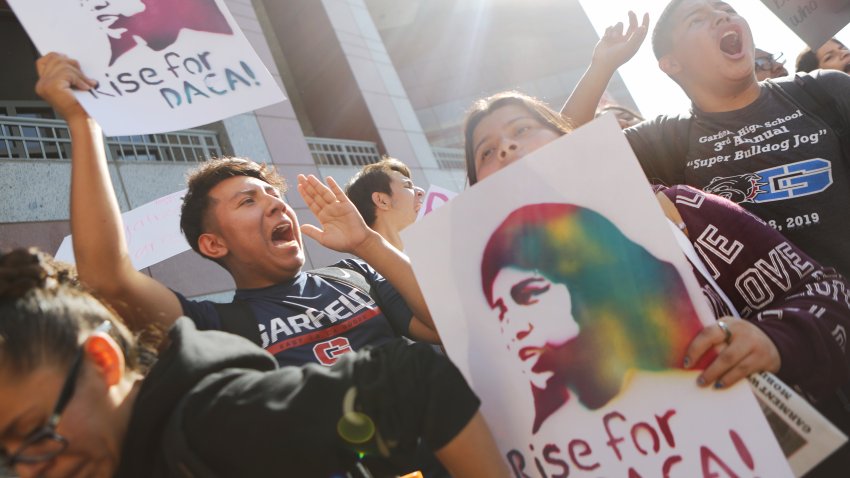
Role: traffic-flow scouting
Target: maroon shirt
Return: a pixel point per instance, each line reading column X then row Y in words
column 803, row 307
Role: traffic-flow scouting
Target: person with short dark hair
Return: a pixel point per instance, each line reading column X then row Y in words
column 386, row 197
column 832, row 55
column 77, row 400
column 234, row 214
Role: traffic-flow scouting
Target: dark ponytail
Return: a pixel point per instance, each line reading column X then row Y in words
column 45, row 314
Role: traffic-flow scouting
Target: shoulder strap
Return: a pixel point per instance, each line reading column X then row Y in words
column 340, row 272
column 238, row 318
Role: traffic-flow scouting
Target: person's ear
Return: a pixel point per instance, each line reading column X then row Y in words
column 106, row 356
column 212, row 245
column 669, row 65
column 381, row 200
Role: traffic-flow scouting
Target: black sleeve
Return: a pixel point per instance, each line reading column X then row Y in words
column 661, row 147
column 289, row 421
column 837, row 84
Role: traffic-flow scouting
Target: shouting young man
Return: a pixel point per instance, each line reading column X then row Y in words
column 235, row 215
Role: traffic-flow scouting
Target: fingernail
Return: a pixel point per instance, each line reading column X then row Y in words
column 718, row 384
column 700, row 381
column 687, row 362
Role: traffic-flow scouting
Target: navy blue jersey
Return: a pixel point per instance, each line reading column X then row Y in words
column 313, row 319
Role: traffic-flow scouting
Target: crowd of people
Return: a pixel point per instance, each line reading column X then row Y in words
column 106, row 372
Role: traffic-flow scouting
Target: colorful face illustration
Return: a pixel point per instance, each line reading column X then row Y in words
column 581, row 306
column 153, row 23
column 523, row 298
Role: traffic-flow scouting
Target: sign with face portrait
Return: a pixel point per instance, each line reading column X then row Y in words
column 161, row 65
column 560, row 293
column 814, row 21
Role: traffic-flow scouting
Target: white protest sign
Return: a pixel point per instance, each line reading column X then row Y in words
column 152, row 232
column 560, row 293
column 814, row 21
column 162, row 65
column 434, row 198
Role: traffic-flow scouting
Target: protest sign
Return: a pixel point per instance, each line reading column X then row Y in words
column 814, row 21
column 161, row 65
column 152, row 232
column 434, row 198
column 560, row 293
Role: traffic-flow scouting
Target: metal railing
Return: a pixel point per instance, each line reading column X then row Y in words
column 449, row 158
column 31, row 138
column 342, row 152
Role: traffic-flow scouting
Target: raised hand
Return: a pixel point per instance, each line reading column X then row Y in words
column 58, row 77
column 343, row 229
column 615, row 47
column 744, row 350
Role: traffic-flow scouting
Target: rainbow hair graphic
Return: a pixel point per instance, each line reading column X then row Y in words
column 632, row 308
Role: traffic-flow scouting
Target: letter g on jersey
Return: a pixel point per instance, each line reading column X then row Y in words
column 795, row 180
column 328, row 352
column 788, row 181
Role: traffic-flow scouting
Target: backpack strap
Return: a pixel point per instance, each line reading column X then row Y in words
column 238, row 318
column 342, row 273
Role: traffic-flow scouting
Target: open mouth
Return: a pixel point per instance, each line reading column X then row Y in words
column 107, row 18
column 282, row 234
column 731, row 43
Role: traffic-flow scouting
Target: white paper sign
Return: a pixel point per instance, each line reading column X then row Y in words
column 434, row 198
column 162, row 65
column 560, row 293
column 814, row 21
column 152, row 232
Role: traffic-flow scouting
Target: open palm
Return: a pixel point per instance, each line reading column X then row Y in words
column 343, row 229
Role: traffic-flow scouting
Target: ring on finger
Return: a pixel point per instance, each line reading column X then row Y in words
column 725, row 328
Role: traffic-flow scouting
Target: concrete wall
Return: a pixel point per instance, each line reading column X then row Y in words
column 449, row 53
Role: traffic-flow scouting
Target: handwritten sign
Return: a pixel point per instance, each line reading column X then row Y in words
column 434, row 198
column 560, row 293
column 161, row 65
column 814, row 21
column 152, row 232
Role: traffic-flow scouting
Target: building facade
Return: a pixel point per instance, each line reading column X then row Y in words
column 363, row 78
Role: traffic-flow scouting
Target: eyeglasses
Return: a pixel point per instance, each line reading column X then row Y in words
column 44, row 444
column 769, row 62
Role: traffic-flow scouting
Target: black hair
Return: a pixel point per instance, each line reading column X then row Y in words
column 44, row 314
column 662, row 34
column 373, row 178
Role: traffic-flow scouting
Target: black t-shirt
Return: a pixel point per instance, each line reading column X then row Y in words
column 772, row 157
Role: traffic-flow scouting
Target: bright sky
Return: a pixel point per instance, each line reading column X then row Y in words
column 651, row 89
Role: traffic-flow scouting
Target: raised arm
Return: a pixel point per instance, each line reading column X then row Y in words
column 100, row 248
column 344, row 230
column 613, row 50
